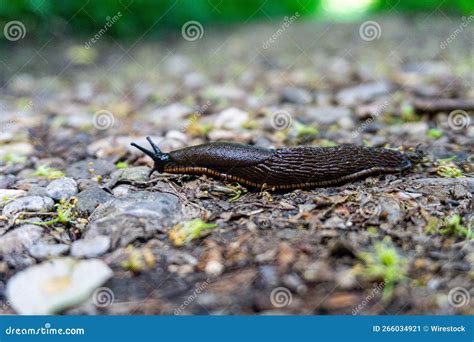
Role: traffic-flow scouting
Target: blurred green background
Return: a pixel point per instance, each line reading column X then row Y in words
column 78, row 17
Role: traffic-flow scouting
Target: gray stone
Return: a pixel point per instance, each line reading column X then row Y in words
column 390, row 210
column 362, row 93
column 14, row 245
column 122, row 190
column 62, row 188
column 132, row 174
column 335, row 222
column 43, row 250
column 37, row 190
column 6, row 181
column 89, row 168
column 90, row 248
column 296, row 95
column 30, row 204
column 7, row 195
column 55, row 285
column 231, row 118
column 89, row 199
column 138, row 215
column 443, row 185
column 326, row 115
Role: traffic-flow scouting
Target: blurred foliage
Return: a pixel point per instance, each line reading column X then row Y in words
column 152, row 16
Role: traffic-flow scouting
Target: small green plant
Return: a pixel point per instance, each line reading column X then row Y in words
column 185, row 232
column 121, row 165
column 327, row 143
column 11, row 159
column 408, row 113
column 138, row 260
column 434, row 133
column 64, row 213
column 385, row 263
column 238, row 190
column 450, row 225
column 446, row 168
column 48, row 172
column 305, row 130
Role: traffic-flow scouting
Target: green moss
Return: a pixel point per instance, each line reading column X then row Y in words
column 11, row 158
column 446, row 168
column 327, row 143
column 408, row 114
column 48, row 172
column 187, row 231
column 434, row 133
column 304, row 130
column 450, row 225
column 121, row 165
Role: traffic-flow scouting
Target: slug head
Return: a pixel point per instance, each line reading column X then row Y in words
column 158, row 157
column 416, row 156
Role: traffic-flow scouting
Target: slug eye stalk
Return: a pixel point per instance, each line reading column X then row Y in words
column 159, row 158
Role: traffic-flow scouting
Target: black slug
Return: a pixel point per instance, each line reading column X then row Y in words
column 281, row 169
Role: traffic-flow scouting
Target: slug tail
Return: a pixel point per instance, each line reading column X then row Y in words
column 159, row 158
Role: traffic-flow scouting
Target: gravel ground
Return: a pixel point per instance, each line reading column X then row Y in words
column 85, row 231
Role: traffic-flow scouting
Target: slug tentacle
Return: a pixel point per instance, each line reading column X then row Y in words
column 282, row 169
column 160, row 159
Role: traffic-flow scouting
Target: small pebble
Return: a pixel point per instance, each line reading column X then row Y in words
column 62, row 188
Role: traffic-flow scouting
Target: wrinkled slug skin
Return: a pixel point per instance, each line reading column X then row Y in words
column 287, row 168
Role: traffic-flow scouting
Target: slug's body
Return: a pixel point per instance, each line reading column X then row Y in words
column 279, row 169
